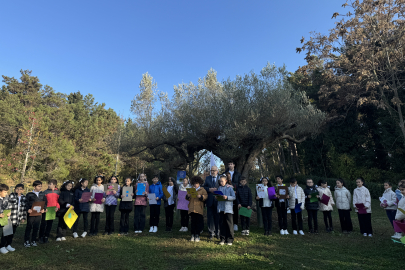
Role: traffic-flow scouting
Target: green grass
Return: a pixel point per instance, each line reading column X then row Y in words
column 172, row 250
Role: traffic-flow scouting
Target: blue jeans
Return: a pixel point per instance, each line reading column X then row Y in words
column 391, row 216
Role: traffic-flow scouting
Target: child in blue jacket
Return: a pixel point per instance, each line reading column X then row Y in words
column 156, row 188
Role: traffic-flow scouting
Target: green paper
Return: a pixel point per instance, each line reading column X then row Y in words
column 4, row 220
column 220, row 198
column 313, row 197
column 403, row 240
column 50, row 213
column 243, row 211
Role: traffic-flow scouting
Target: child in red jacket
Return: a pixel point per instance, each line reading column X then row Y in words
column 52, row 196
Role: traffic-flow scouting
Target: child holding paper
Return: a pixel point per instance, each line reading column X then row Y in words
column 170, row 203
column 52, row 197
column 3, row 206
column 361, row 195
column 312, row 205
column 225, row 210
column 326, row 209
column 110, row 205
column 343, row 200
column 184, row 213
column 140, row 204
column 17, row 204
column 33, row 222
column 82, row 206
column 244, row 199
column 196, row 208
column 400, row 216
column 297, row 204
column 281, row 205
column 96, row 208
column 266, row 206
column 66, row 200
column 156, row 188
column 388, row 202
column 125, row 206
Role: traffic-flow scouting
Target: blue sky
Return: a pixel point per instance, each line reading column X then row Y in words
column 104, row 47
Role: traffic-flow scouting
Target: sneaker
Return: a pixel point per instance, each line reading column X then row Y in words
column 288, row 211
column 58, row 239
column 364, row 234
column 295, row 232
column 282, row 232
column 235, row 228
column 221, row 243
column 105, row 233
column 286, row 232
column 75, row 235
column 311, row 231
column 34, row 244
column 151, row 228
column 229, row 244
column 45, row 240
column 182, row 229
column 3, row 250
column 63, row 239
column 27, row 244
column 84, row 234
column 41, row 240
column 192, row 238
column 197, row 238
column 155, row 229
column 397, row 235
column 301, row 232
column 139, row 231
column 247, row 232
column 9, row 248
column 243, row 232
column 185, row 229
column 370, row 235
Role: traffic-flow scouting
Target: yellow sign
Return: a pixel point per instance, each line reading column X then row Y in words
column 192, row 192
column 70, row 217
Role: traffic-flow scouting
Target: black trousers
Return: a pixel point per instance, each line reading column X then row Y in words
column 365, row 223
column 235, row 211
column 94, row 222
column 282, row 216
column 313, row 218
column 197, row 223
column 296, row 217
column 124, row 221
column 46, row 227
column 184, row 218
column 213, row 219
column 154, row 215
column 267, row 221
column 226, row 227
column 244, row 222
column 345, row 220
column 33, row 224
column 85, row 222
column 139, row 217
column 8, row 240
column 327, row 219
column 169, row 211
column 109, row 218
column 61, row 231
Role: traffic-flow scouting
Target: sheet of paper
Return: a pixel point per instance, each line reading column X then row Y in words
column 127, row 191
column 86, row 196
column 325, row 199
column 271, row 191
column 70, row 217
column 182, row 204
column 260, row 191
column 110, row 188
column 8, row 229
column 36, row 208
column 192, row 192
column 140, row 189
column 167, row 194
column 50, row 213
column 382, row 199
column 298, row 208
column 313, row 197
column 243, row 211
column 152, row 198
column 4, row 220
column 98, row 197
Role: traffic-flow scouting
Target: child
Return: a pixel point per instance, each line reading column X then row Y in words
column 362, row 195
column 82, row 208
column 156, row 188
column 140, row 204
column 66, row 200
column 184, row 213
column 312, row 207
column 389, row 203
column 235, row 203
column 398, row 191
column 343, row 199
column 281, row 206
column 170, row 203
column 244, row 199
column 33, row 222
column 266, row 206
column 17, row 204
column 196, row 208
column 110, row 205
column 326, row 209
column 225, row 210
column 125, row 207
column 52, row 196
column 3, row 206
column 297, row 196
column 96, row 209
column 401, row 205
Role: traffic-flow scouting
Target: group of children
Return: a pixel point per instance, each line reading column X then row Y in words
column 296, row 200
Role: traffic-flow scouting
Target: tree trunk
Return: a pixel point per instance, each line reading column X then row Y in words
column 294, row 159
column 27, row 153
column 281, row 159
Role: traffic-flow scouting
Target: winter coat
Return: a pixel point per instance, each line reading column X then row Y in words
column 226, row 206
column 127, row 205
column 362, row 195
column 93, row 206
column 400, row 215
column 175, row 192
column 158, row 190
column 343, row 198
column 66, row 199
column 3, row 204
column 308, row 204
column 244, row 196
column 391, row 198
column 17, row 214
column 52, row 197
column 83, row 207
column 300, row 198
column 112, row 199
column 327, row 192
column 32, row 197
column 141, row 199
column 196, row 205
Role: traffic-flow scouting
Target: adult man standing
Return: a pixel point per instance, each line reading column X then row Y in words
column 235, row 181
column 211, row 185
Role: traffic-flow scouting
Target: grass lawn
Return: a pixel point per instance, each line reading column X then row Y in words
column 172, row 250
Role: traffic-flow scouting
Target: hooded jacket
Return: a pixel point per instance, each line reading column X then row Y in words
column 17, row 213
column 391, row 198
column 300, row 196
column 327, row 192
column 226, row 206
column 343, row 198
column 158, row 190
column 362, row 195
column 196, row 205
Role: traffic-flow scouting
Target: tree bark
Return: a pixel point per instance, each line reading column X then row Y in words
column 27, row 153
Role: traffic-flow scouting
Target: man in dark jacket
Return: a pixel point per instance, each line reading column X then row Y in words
column 211, row 185
column 312, row 207
column 244, row 198
column 235, row 176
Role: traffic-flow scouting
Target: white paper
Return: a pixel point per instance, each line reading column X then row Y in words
column 382, row 199
column 37, row 208
column 282, row 191
column 8, row 229
column 260, row 190
column 152, row 198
